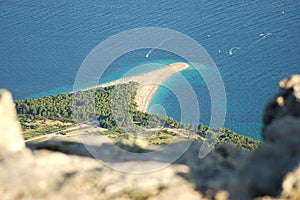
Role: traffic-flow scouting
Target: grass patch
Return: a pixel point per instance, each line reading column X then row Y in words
column 34, row 128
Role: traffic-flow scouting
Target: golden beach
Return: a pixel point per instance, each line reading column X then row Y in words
column 148, row 82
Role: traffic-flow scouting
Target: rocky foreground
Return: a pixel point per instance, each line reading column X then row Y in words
column 271, row 172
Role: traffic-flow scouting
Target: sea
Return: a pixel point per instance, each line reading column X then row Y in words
column 254, row 45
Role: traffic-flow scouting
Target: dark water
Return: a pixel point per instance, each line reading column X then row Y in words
column 43, row 44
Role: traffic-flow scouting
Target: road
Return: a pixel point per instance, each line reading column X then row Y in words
column 77, row 130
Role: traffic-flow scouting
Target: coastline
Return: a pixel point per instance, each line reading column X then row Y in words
column 148, row 83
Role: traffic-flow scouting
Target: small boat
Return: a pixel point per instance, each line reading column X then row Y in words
column 231, row 51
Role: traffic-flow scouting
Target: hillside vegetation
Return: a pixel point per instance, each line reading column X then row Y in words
column 114, row 108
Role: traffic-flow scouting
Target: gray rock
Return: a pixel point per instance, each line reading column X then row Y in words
column 215, row 173
column 282, row 130
column 10, row 130
column 264, row 170
column 54, row 175
column 285, row 103
column 291, row 185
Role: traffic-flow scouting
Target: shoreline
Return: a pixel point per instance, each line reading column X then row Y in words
column 148, row 83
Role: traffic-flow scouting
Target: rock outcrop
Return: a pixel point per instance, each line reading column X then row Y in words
column 62, row 170
column 291, row 185
column 264, row 170
column 284, row 104
column 11, row 139
column 54, row 175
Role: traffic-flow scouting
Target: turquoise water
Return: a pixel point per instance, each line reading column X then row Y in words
column 42, row 46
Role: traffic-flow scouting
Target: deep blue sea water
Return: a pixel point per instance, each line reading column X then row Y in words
column 42, row 45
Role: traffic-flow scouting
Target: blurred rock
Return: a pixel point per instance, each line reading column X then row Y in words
column 291, row 185
column 285, row 103
column 282, row 130
column 53, row 175
column 66, row 170
column 11, row 139
column 264, row 170
column 222, row 195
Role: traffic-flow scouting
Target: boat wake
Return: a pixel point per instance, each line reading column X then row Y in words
column 262, row 37
column 159, row 45
column 149, row 53
column 233, row 49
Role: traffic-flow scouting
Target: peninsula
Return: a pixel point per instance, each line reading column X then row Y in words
column 148, row 83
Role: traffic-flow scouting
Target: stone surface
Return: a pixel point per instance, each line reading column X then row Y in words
column 286, row 129
column 11, row 139
column 285, row 102
column 291, row 185
column 53, row 175
column 264, row 170
column 215, row 172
